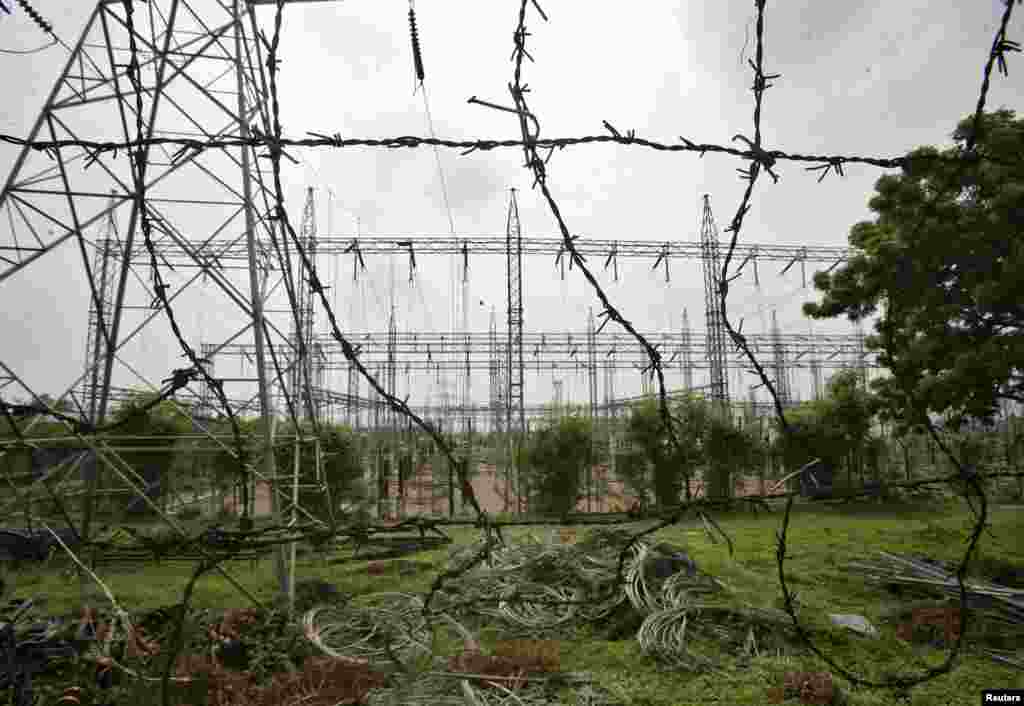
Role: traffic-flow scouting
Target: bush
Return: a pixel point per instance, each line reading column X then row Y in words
column 704, row 439
column 556, row 456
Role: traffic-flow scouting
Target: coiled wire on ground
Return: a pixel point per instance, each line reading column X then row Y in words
column 694, row 636
column 566, row 582
column 367, row 626
column 533, row 586
column 681, row 589
column 641, row 594
column 692, row 617
column 546, row 612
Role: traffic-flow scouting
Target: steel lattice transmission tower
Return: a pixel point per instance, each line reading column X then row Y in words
column 496, row 377
column 200, row 74
column 515, row 415
column 715, row 322
column 306, row 368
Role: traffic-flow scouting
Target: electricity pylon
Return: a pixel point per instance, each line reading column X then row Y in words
column 200, row 74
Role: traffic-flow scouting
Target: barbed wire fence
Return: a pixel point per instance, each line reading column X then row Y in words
column 759, row 159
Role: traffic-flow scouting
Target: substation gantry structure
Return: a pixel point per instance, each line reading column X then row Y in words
column 508, row 355
column 588, row 352
column 201, row 74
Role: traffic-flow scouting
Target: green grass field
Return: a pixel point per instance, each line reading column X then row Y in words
column 822, row 541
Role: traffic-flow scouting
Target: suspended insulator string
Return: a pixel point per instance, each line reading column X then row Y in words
column 36, row 17
column 417, row 56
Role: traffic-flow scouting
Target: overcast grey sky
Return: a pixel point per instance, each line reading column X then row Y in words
column 875, row 78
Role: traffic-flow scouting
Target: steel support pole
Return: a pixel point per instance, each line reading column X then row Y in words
column 267, row 414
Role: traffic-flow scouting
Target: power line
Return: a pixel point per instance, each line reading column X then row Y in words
column 29, row 51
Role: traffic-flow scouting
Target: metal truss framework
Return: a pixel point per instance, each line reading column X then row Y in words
column 202, row 69
column 598, row 357
column 515, row 419
column 170, row 59
column 200, row 66
column 224, row 255
column 200, row 73
column 715, row 346
column 551, row 350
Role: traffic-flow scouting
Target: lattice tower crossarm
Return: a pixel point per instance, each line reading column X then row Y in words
column 544, row 350
column 189, row 253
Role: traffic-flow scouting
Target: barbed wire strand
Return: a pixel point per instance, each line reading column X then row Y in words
column 759, row 159
column 319, row 140
column 398, row 405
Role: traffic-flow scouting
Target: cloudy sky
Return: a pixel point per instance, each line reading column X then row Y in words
column 877, row 78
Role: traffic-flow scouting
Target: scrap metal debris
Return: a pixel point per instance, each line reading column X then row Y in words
column 1014, row 659
column 1002, row 605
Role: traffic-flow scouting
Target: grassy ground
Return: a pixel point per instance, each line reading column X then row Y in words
column 822, row 540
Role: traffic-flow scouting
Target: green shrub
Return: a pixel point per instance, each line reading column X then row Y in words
column 556, row 457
